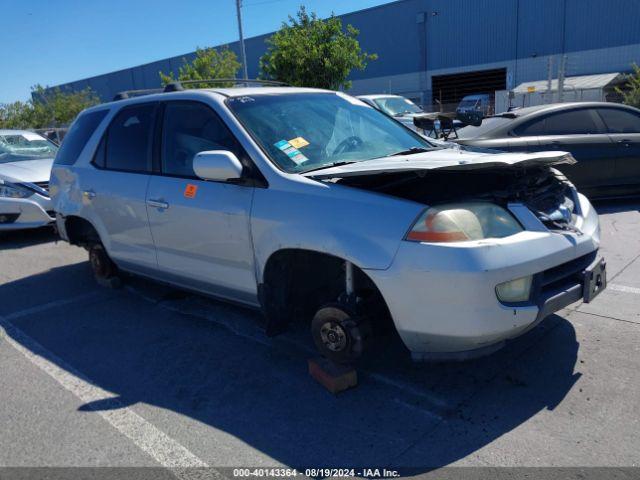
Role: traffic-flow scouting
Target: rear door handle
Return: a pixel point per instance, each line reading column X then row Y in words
column 625, row 141
column 89, row 194
column 158, row 204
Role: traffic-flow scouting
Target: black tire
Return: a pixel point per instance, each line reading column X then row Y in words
column 339, row 335
column 103, row 267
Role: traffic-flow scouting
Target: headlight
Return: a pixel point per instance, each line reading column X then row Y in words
column 459, row 222
column 517, row 290
column 11, row 190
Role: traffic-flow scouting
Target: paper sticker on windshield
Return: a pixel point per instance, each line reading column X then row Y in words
column 292, row 152
column 298, row 142
column 31, row 136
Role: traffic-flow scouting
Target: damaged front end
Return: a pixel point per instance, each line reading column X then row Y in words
column 541, row 188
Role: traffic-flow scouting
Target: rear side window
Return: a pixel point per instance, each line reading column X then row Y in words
column 574, row 122
column 129, row 140
column 530, row 129
column 77, row 136
column 620, row 121
column 190, row 128
column 488, row 124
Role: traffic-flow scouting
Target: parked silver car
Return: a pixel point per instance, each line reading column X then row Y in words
column 25, row 165
column 309, row 204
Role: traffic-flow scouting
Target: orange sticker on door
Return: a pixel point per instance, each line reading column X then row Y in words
column 190, row 190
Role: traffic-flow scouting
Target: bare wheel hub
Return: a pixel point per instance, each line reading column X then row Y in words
column 333, row 336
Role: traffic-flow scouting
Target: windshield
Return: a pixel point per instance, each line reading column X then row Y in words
column 306, row 131
column 488, row 124
column 469, row 103
column 397, row 105
column 16, row 147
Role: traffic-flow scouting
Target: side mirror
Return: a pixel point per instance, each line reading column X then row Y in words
column 218, row 165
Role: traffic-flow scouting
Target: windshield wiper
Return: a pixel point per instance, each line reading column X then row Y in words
column 410, row 151
column 329, row 165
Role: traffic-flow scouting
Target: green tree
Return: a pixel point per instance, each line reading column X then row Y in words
column 57, row 108
column 312, row 52
column 16, row 115
column 48, row 107
column 208, row 64
column 631, row 92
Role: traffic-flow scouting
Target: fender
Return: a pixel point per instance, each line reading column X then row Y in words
column 363, row 227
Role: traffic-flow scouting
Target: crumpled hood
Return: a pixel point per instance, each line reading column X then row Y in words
column 27, row 170
column 444, row 159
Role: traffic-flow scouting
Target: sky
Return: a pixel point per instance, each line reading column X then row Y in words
column 52, row 42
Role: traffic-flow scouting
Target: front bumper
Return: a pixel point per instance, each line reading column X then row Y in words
column 442, row 296
column 20, row 213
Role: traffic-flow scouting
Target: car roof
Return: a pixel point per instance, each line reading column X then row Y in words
column 475, row 96
column 550, row 107
column 18, row 132
column 380, row 95
column 225, row 92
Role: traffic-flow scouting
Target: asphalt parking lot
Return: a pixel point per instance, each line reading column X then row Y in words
column 150, row 376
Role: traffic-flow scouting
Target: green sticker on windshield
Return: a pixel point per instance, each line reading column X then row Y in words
column 293, row 153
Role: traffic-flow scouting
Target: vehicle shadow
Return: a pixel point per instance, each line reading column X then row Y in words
column 209, row 362
column 12, row 239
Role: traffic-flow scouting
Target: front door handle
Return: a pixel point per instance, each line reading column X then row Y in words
column 626, row 142
column 158, row 204
column 89, row 194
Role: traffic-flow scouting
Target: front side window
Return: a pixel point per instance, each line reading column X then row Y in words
column 129, row 139
column 19, row 146
column 305, row 131
column 190, row 128
column 620, row 121
column 574, row 122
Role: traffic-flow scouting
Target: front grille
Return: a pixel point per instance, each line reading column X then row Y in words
column 566, row 274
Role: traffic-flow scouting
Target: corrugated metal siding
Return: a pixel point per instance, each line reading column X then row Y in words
column 470, row 32
column 595, row 24
column 391, row 31
column 412, row 36
column 540, row 27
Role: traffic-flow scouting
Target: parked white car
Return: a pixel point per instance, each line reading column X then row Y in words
column 311, row 205
column 396, row 106
column 25, row 167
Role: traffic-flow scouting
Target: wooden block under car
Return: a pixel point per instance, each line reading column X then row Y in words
column 335, row 378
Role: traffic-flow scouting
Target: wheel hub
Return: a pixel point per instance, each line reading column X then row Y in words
column 333, row 336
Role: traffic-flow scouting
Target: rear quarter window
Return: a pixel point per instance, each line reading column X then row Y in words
column 78, row 135
column 488, row 124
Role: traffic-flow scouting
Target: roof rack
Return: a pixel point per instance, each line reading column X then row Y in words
column 178, row 86
column 136, row 93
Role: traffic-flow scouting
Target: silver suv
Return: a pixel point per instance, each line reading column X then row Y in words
column 311, row 205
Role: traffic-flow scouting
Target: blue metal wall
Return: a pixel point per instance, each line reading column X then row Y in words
column 418, row 36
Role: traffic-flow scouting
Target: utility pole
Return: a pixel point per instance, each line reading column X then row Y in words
column 561, row 74
column 549, row 98
column 243, row 54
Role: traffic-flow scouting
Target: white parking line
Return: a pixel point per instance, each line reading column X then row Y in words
column 162, row 448
column 47, row 306
column 623, row 288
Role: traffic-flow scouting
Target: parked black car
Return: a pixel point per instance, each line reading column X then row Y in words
column 603, row 137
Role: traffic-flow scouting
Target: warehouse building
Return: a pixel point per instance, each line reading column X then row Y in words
column 437, row 51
